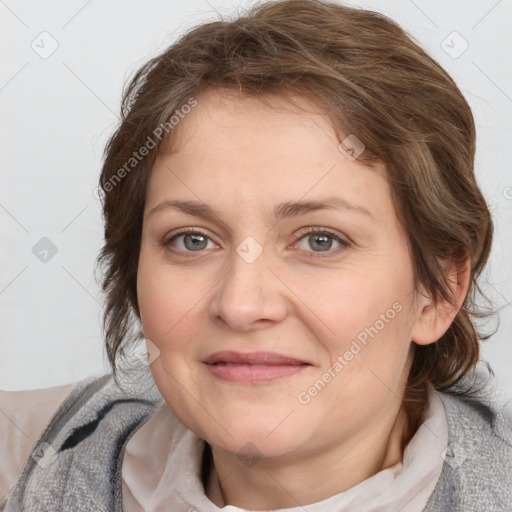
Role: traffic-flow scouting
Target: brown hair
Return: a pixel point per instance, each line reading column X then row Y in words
column 374, row 81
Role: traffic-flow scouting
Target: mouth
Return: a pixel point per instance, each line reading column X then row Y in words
column 254, row 367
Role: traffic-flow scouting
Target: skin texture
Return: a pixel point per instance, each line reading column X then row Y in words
column 242, row 158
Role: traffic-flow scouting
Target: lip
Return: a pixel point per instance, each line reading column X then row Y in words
column 267, row 358
column 253, row 367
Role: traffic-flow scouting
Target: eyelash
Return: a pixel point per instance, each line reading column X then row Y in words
column 344, row 244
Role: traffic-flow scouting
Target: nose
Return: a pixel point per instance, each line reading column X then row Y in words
column 250, row 295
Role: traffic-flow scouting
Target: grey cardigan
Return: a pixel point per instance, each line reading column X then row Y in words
column 77, row 463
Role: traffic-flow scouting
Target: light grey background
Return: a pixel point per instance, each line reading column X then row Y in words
column 57, row 110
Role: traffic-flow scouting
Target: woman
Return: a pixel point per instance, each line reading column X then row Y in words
column 294, row 228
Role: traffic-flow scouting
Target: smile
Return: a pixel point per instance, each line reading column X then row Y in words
column 254, row 373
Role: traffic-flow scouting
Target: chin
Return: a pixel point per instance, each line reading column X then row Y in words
column 256, row 441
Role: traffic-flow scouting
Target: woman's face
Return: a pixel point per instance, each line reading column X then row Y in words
column 250, row 278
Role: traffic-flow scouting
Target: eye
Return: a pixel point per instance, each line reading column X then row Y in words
column 189, row 240
column 321, row 240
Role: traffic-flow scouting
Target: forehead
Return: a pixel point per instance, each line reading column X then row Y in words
column 284, row 147
column 250, row 117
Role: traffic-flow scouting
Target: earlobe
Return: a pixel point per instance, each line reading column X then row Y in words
column 435, row 319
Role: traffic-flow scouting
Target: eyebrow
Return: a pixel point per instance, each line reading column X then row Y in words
column 281, row 211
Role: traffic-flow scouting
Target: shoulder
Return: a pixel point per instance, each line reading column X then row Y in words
column 92, row 425
column 477, row 468
column 23, row 416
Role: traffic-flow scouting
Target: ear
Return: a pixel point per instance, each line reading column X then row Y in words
column 435, row 319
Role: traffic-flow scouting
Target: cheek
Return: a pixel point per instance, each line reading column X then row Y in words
column 369, row 320
column 346, row 305
column 174, row 312
column 166, row 299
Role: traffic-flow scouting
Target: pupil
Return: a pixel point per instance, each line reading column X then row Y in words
column 197, row 240
column 324, row 245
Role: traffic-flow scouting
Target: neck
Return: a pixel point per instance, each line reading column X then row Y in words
column 302, row 480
